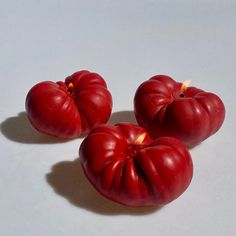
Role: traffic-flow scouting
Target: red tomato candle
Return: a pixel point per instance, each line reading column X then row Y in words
column 71, row 108
column 168, row 108
column 126, row 166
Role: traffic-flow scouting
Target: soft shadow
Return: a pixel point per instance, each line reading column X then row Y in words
column 122, row 116
column 68, row 180
column 18, row 129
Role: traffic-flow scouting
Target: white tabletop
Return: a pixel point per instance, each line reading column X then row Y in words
column 43, row 190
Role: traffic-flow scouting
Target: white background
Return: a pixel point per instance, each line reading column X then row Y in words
column 43, row 191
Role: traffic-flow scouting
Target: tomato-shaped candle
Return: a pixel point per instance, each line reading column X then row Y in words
column 168, row 108
column 71, row 108
column 126, row 166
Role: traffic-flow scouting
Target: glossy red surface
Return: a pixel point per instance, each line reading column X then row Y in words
column 164, row 110
column 132, row 171
column 71, row 108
